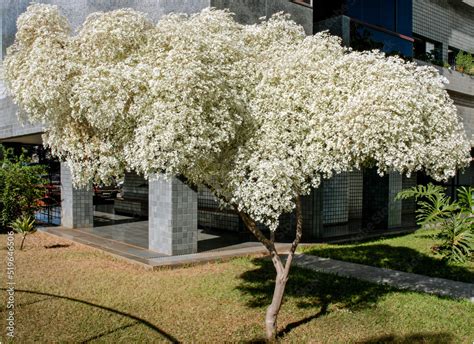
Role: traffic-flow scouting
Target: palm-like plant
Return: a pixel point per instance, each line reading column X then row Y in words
column 458, row 238
column 24, row 225
column 455, row 219
column 465, row 198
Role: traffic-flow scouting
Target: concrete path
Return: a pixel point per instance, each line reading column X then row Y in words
column 398, row 279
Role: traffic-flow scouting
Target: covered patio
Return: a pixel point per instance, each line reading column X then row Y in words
column 129, row 231
column 127, row 238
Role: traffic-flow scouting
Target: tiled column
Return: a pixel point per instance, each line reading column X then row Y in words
column 172, row 219
column 77, row 209
column 335, row 199
column 356, row 191
column 394, row 207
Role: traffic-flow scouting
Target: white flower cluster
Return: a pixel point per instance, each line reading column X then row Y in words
column 258, row 113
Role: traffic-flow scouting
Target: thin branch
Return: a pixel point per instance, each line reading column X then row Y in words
column 252, row 227
column 269, row 244
column 299, row 233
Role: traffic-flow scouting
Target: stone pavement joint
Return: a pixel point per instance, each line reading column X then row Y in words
column 397, row 279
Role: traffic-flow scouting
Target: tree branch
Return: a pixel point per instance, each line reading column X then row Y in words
column 252, row 227
column 299, row 233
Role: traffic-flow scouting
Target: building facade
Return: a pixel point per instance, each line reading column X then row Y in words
column 351, row 204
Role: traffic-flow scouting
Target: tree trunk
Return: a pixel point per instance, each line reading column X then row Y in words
column 282, row 270
column 274, row 308
column 22, row 241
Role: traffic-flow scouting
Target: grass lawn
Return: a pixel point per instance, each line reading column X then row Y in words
column 410, row 253
column 66, row 292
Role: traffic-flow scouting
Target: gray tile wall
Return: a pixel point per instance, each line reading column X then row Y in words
column 445, row 21
column 356, row 186
column 10, row 125
column 77, row 210
column 467, row 116
column 249, row 11
column 172, row 217
column 394, row 207
column 335, row 199
column 134, row 200
column 461, row 90
column 135, row 186
column 76, row 11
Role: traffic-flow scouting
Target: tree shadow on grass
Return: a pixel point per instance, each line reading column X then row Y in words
column 433, row 338
column 57, row 246
column 136, row 320
column 396, row 258
column 310, row 290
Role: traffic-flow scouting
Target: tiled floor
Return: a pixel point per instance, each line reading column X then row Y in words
column 215, row 244
column 135, row 232
column 128, row 237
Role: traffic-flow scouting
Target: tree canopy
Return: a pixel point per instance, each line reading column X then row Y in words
column 258, row 113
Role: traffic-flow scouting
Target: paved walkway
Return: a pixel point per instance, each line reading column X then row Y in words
column 398, row 279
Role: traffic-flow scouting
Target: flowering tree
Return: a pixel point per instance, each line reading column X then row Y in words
column 258, row 114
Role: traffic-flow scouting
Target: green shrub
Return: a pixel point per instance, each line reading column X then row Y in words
column 21, row 186
column 465, row 63
column 24, row 226
column 457, row 238
column 455, row 219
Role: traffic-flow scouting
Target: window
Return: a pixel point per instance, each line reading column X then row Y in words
column 374, row 24
column 426, row 49
column 452, row 53
column 364, row 36
column 380, row 13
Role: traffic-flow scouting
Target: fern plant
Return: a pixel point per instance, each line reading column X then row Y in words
column 24, row 225
column 455, row 219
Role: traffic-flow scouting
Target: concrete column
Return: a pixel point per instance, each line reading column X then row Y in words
column 77, row 209
column 394, row 207
column 172, row 219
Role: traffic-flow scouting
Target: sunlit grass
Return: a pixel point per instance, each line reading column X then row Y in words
column 411, row 253
column 77, row 294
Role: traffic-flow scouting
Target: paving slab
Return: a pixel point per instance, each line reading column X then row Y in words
column 398, row 279
column 210, row 256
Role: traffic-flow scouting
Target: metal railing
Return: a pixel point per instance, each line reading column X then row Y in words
column 49, row 214
column 307, row 3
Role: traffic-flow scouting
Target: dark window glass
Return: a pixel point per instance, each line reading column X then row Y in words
column 393, row 15
column 452, row 53
column 426, row 49
column 364, row 37
column 378, row 12
column 404, row 15
column 324, row 9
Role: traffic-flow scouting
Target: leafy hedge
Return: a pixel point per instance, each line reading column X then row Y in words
column 21, row 186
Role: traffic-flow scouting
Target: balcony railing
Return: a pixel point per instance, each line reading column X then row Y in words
column 307, row 3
